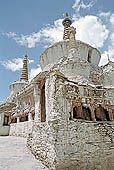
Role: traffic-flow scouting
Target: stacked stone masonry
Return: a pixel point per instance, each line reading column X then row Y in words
column 21, row 129
column 74, row 145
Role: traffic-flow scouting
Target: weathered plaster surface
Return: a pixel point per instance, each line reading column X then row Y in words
column 21, row 129
column 17, row 86
column 61, row 50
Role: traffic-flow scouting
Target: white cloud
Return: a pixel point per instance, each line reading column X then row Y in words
column 34, row 72
column 14, row 64
column 91, row 30
column 53, row 33
column 29, row 41
column 104, row 14
column 78, row 5
column 49, row 34
column 112, row 19
column 104, row 58
column 112, row 39
column 109, row 54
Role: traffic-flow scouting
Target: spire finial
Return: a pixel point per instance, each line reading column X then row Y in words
column 66, row 14
column 66, row 23
column 24, row 74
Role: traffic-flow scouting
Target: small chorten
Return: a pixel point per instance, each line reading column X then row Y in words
column 66, row 23
column 24, row 74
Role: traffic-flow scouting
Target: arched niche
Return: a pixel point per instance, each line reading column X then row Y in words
column 101, row 114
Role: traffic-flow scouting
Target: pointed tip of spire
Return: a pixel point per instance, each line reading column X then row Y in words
column 25, row 56
column 67, row 19
column 66, row 14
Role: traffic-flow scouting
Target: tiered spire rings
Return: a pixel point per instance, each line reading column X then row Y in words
column 66, row 23
column 24, row 74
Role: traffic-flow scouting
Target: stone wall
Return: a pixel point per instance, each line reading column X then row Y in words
column 84, row 145
column 21, row 128
column 1, row 118
column 41, row 143
column 75, row 144
column 4, row 130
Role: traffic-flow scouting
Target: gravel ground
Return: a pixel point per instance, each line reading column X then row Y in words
column 15, row 156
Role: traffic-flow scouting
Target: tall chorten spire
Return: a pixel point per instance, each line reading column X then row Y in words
column 24, row 74
column 66, row 23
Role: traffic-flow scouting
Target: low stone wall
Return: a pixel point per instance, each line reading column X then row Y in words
column 41, row 143
column 74, row 145
column 21, row 128
column 85, row 145
column 4, row 130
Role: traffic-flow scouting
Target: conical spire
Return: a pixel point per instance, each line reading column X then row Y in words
column 66, row 23
column 24, row 74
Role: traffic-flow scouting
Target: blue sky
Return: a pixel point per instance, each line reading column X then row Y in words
column 29, row 26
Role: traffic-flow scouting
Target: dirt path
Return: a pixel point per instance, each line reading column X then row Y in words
column 15, row 156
